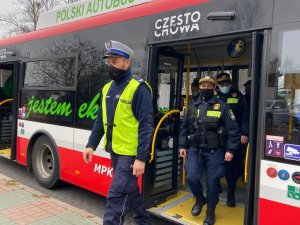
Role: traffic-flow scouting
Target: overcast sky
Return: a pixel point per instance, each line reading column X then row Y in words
column 5, row 5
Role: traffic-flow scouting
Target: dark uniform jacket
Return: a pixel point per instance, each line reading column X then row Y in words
column 240, row 109
column 227, row 120
column 142, row 110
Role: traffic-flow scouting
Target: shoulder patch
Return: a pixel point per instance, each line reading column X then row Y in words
column 138, row 79
column 234, row 94
column 231, row 115
column 216, row 106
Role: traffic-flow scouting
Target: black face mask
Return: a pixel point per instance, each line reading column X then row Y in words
column 114, row 72
column 195, row 93
column 206, row 93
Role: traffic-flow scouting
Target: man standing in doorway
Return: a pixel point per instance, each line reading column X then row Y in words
column 210, row 131
column 125, row 120
column 238, row 104
column 195, row 89
column 247, row 86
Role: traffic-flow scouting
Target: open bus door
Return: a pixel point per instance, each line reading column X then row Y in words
column 209, row 57
column 164, row 174
column 8, row 108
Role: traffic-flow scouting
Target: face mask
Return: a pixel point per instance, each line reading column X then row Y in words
column 195, row 94
column 225, row 90
column 206, row 93
column 114, row 72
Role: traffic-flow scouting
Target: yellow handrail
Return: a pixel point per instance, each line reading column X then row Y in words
column 183, row 171
column 246, row 164
column 6, row 100
column 156, row 130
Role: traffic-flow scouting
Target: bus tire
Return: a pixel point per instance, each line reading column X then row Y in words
column 45, row 163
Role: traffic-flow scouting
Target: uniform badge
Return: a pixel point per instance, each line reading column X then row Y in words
column 234, row 94
column 231, row 115
column 217, row 106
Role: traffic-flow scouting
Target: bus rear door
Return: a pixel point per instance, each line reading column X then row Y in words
column 164, row 173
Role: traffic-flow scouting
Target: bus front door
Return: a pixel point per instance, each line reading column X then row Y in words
column 8, row 109
column 164, row 172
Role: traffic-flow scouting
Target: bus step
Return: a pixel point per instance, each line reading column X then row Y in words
column 5, row 152
column 178, row 210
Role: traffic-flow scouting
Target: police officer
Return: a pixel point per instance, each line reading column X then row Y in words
column 195, row 89
column 210, row 129
column 125, row 120
column 238, row 104
column 247, row 86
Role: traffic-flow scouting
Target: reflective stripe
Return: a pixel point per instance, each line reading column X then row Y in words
column 214, row 114
column 232, row 100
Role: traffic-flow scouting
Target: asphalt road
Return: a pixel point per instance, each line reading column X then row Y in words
column 70, row 194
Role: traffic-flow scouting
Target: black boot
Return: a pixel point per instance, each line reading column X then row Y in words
column 210, row 217
column 230, row 199
column 197, row 208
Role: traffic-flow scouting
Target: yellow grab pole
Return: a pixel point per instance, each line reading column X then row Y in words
column 4, row 101
column 246, row 164
column 152, row 153
column 187, row 78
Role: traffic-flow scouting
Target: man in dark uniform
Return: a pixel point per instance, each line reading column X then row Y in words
column 210, row 129
column 125, row 121
column 238, row 104
column 195, row 89
column 248, row 92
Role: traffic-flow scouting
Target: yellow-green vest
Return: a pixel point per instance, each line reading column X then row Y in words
column 125, row 129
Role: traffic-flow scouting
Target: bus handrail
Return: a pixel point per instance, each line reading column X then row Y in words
column 6, row 100
column 246, row 164
column 156, row 131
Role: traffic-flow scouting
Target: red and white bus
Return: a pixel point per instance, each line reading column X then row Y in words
column 51, row 80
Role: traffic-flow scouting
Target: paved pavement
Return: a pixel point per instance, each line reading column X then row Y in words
column 21, row 205
column 85, row 201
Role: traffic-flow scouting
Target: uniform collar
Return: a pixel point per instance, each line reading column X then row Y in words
column 212, row 100
column 123, row 77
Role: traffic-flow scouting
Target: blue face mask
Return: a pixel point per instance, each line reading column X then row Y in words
column 225, row 90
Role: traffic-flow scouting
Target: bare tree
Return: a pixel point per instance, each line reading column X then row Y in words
column 25, row 14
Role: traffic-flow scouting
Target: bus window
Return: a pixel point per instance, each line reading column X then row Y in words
column 283, row 90
column 57, row 73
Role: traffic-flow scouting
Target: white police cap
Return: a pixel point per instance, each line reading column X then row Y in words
column 115, row 48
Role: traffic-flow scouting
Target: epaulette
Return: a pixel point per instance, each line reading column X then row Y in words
column 141, row 80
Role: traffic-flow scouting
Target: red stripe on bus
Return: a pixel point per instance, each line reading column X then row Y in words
column 155, row 7
column 96, row 176
column 22, row 145
column 275, row 213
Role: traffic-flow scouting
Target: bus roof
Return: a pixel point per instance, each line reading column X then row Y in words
column 153, row 7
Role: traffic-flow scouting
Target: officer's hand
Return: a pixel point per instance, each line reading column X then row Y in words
column 244, row 139
column 138, row 168
column 88, row 155
column 228, row 156
column 182, row 153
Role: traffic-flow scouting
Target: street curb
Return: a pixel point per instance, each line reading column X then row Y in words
column 38, row 194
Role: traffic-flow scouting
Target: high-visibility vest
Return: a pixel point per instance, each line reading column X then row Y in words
column 125, row 125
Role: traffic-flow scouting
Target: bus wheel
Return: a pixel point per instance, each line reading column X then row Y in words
column 45, row 164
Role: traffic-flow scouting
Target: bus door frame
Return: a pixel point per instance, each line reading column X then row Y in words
column 17, row 68
column 254, row 173
column 260, row 48
column 152, row 79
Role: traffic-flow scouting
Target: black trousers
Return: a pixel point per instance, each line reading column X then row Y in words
column 124, row 193
column 233, row 171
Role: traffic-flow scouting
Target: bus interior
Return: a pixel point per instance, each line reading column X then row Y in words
column 6, row 109
column 178, row 64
